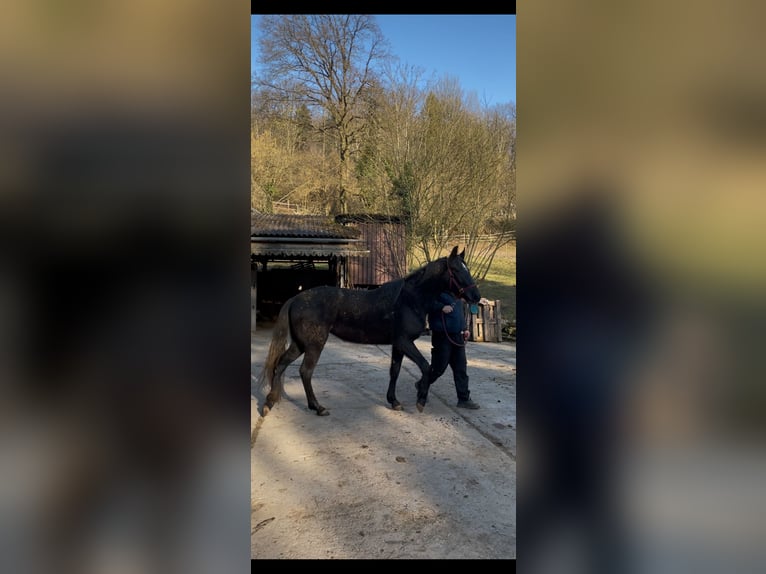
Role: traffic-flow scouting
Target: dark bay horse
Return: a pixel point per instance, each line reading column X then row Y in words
column 394, row 313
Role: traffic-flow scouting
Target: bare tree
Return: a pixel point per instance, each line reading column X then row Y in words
column 330, row 60
column 384, row 168
column 462, row 177
column 499, row 151
column 445, row 164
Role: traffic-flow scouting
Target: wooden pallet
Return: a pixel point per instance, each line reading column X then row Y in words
column 487, row 326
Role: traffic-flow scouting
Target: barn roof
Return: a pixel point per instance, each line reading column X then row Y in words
column 295, row 236
column 309, row 226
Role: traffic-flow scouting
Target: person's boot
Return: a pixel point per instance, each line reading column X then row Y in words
column 469, row 404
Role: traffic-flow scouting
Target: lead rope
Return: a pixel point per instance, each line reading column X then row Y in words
column 444, row 324
column 460, row 291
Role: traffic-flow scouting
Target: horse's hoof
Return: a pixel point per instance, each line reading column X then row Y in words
column 323, row 412
column 396, row 406
column 420, row 406
column 266, row 410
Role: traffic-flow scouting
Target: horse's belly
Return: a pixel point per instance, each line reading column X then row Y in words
column 361, row 334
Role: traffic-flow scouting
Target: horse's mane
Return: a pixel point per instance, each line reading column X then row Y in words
column 416, row 277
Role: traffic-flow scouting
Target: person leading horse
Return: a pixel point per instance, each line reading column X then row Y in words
column 394, row 313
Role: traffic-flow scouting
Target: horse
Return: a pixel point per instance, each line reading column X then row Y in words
column 394, row 313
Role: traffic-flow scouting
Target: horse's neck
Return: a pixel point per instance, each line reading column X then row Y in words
column 430, row 283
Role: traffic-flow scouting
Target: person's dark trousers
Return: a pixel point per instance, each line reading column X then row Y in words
column 444, row 353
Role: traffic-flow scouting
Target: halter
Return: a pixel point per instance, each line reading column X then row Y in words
column 452, row 280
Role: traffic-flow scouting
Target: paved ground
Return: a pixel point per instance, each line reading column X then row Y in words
column 370, row 482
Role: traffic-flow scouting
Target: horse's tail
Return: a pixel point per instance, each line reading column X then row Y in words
column 277, row 348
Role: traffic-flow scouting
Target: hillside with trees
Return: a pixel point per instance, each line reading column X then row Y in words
column 340, row 126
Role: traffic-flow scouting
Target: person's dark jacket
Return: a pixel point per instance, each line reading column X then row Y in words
column 438, row 320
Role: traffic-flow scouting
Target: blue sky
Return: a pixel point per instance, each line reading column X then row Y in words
column 478, row 50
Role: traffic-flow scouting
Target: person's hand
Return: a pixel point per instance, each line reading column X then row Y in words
column 447, row 309
column 483, row 301
column 466, row 334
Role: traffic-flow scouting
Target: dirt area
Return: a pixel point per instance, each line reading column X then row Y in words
column 371, row 482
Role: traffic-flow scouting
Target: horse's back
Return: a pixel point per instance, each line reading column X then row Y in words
column 316, row 305
column 354, row 315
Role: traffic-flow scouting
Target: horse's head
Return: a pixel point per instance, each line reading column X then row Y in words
column 461, row 282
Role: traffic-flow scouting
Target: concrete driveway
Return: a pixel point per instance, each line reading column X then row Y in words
column 370, row 482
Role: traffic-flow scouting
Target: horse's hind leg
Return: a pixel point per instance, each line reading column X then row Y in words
column 307, row 369
column 396, row 365
column 292, row 353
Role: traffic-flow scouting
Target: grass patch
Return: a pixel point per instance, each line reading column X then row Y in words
column 500, row 282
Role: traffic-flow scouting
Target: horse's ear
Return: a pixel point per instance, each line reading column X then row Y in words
column 462, row 255
column 454, row 252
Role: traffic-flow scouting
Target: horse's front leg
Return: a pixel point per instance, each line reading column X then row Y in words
column 396, row 365
column 412, row 353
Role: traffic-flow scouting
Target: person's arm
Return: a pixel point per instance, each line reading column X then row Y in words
column 439, row 303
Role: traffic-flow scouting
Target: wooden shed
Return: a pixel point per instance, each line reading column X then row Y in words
column 292, row 253
column 384, row 239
